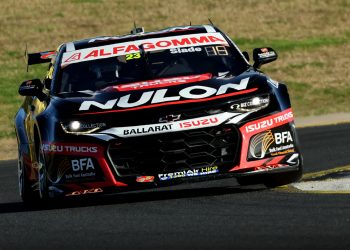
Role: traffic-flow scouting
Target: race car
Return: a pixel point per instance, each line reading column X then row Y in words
column 153, row 109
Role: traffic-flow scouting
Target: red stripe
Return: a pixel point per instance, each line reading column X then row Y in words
column 162, row 82
column 174, row 103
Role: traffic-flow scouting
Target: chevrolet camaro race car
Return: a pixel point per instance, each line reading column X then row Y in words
column 152, row 109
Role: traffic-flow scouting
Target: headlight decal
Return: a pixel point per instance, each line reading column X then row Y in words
column 78, row 127
column 251, row 105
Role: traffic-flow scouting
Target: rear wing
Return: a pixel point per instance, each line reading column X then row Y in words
column 40, row 57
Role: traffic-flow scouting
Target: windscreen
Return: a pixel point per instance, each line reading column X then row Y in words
column 114, row 66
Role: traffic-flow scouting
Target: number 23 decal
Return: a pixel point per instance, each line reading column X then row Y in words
column 133, row 56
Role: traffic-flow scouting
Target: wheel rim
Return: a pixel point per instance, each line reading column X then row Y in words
column 20, row 177
column 42, row 176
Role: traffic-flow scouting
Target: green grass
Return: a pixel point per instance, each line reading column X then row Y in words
column 86, row 1
column 291, row 45
column 325, row 102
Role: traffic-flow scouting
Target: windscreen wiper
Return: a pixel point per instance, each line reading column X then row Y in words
column 145, row 62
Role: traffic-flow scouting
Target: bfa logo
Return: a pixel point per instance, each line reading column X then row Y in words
column 83, row 164
column 283, row 137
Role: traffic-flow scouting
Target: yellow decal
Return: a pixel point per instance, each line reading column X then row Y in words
column 133, row 56
column 49, row 73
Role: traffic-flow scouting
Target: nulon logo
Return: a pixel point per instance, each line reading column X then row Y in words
column 160, row 96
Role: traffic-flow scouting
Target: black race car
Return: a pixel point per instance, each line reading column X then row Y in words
column 151, row 109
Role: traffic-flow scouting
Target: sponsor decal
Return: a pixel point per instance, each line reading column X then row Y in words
column 185, row 50
column 189, row 173
column 163, row 82
column 264, row 168
column 85, row 191
column 83, row 164
column 272, row 82
column 250, row 129
column 266, row 53
column 60, row 148
column 275, row 142
column 65, row 169
column 282, row 150
column 145, row 179
column 153, row 129
column 152, row 44
column 82, row 168
column 147, row 129
column 73, row 58
column 160, row 96
column 170, row 118
column 293, row 160
column 47, row 55
column 58, row 169
column 80, row 175
column 77, row 127
column 252, row 104
column 133, row 56
column 199, row 122
column 50, row 72
column 271, row 121
column 208, row 121
column 92, row 125
column 283, row 137
column 260, row 144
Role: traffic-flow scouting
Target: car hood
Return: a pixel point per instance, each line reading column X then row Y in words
column 163, row 95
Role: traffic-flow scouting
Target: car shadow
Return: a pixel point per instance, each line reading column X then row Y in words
column 125, row 198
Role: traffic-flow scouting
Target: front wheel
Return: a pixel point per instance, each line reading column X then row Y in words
column 280, row 179
column 272, row 180
column 26, row 191
column 43, row 186
column 250, row 180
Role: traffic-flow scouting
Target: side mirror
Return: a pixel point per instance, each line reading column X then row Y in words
column 32, row 88
column 263, row 55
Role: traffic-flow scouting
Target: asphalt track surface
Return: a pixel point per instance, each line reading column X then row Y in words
column 211, row 215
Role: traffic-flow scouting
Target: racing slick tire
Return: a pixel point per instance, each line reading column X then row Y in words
column 280, row 179
column 27, row 193
column 43, row 185
column 272, row 180
column 249, row 180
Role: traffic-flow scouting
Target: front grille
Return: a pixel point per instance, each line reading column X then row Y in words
column 194, row 113
column 165, row 153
